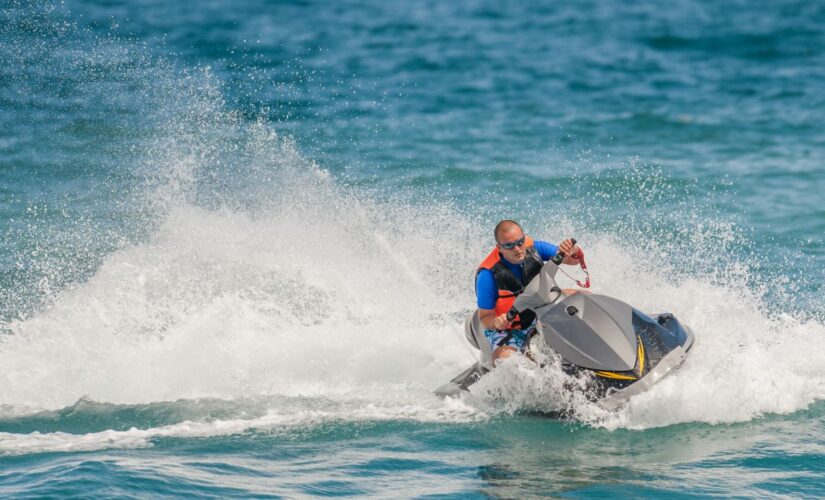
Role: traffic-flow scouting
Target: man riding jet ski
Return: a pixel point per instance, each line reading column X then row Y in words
column 514, row 261
column 623, row 350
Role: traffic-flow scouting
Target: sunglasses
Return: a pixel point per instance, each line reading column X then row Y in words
column 512, row 244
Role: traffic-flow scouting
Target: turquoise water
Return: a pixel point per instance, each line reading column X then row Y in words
column 238, row 244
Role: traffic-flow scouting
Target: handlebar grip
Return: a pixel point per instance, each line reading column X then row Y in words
column 511, row 314
column 560, row 256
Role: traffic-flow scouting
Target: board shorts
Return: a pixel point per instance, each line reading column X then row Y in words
column 518, row 339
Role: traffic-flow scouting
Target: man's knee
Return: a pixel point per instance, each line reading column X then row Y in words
column 503, row 352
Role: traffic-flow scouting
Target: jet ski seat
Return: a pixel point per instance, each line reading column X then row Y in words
column 474, row 331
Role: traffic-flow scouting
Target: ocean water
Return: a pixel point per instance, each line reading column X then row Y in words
column 239, row 241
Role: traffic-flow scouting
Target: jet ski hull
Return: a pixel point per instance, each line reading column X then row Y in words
column 664, row 343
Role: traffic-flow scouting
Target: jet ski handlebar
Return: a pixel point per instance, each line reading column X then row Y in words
column 559, row 257
column 512, row 313
column 557, row 260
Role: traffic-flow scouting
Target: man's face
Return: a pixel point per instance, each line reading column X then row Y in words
column 512, row 235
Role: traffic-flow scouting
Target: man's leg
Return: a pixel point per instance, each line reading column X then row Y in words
column 503, row 352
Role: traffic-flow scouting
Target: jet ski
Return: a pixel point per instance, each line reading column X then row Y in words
column 623, row 350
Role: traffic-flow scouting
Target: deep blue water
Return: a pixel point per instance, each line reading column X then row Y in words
column 238, row 243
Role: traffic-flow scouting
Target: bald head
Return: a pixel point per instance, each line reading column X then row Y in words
column 504, row 227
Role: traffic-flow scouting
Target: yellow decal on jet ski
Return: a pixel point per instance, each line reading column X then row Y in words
column 641, row 356
column 615, row 375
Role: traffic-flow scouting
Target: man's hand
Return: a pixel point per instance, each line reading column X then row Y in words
column 570, row 250
column 501, row 322
column 490, row 320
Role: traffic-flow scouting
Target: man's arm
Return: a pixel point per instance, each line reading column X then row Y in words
column 486, row 297
column 491, row 321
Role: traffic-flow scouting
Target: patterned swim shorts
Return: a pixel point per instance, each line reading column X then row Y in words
column 517, row 340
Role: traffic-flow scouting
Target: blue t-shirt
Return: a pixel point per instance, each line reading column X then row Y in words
column 486, row 289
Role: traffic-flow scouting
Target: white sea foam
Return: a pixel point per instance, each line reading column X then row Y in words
column 275, row 421
column 224, row 304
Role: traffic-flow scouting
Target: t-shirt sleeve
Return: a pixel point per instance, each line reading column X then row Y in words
column 546, row 250
column 486, row 291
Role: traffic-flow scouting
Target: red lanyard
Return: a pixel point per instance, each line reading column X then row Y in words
column 579, row 255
